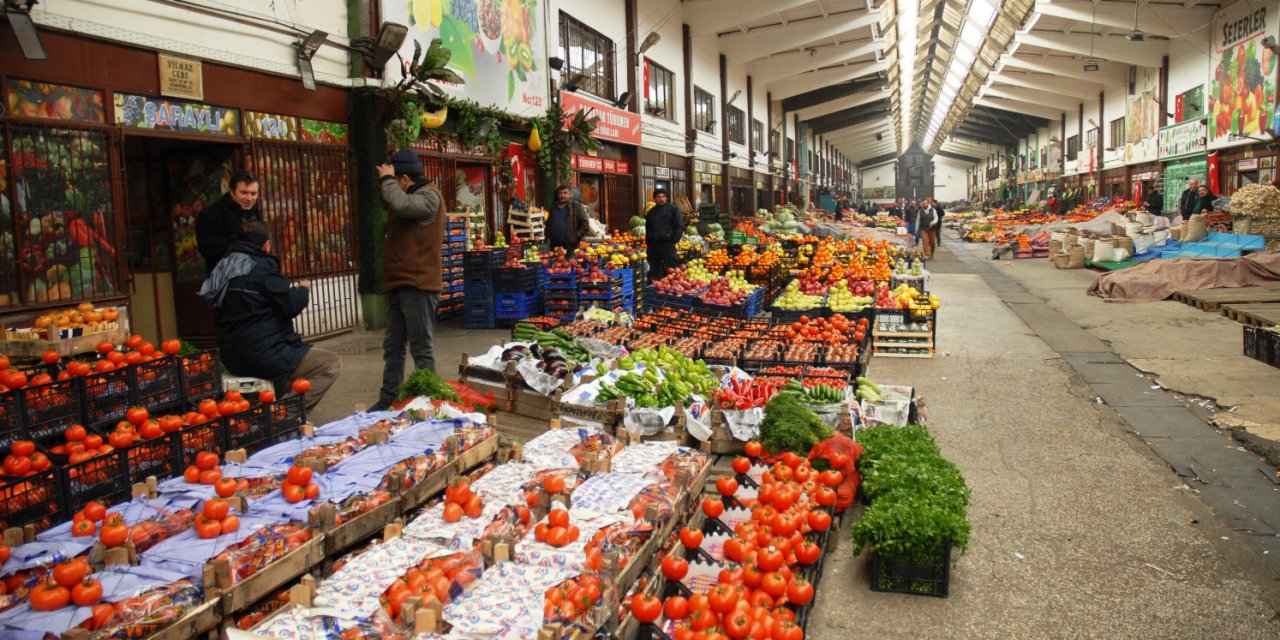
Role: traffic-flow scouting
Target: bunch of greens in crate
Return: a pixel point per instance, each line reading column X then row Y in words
column 919, row 500
column 790, row 426
column 425, row 382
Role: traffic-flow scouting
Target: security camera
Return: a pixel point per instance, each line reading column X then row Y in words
column 1136, row 36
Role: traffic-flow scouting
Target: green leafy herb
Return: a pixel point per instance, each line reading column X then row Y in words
column 789, row 426
column 911, row 529
column 424, row 382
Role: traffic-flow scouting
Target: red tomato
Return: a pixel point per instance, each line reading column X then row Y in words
column 712, row 507
column 312, row 491
column 210, row 476
column 105, row 347
column 216, row 509
column 773, row 584
column 51, row 357
column 723, row 598
column 23, row 448
column 113, row 535
column 49, row 597
column 207, row 528
column 230, row 524
column 690, row 538
column 75, row 433
column 819, row 520
column 171, row 347
column 94, row 511
column 224, row 487
column 71, row 572
column 808, row 553
column 452, row 512
column 754, row 449
column 674, row 567
column 558, row 518
column 726, row 485
column 557, row 536
column 676, row 608
column 206, row 460
column 266, row 396
column 645, row 607
column 301, row 385
column 741, row 465
column 87, row 593
column 553, row 484
column 300, row 475
column 92, row 441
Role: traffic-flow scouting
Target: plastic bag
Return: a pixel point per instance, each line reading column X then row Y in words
column 142, row 616
column 262, row 548
column 468, row 396
column 841, row 444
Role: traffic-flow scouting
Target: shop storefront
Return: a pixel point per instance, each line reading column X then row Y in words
column 605, row 181
column 1115, row 182
column 107, row 174
column 764, row 189
column 1142, row 178
column 659, row 170
column 741, row 191
column 1251, row 165
column 708, row 184
column 1182, row 150
column 606, row 187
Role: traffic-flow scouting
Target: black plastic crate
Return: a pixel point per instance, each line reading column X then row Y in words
column 49, row 409
column 287, row 416
column 160, row 457
column 250, row 430
column 106, row 397
column 31, row 500
column 898, row 575
column 104, row 478
column 515, row 280
column 200, row 375
column 192, row 439
column 156, row 385
column 12, row 424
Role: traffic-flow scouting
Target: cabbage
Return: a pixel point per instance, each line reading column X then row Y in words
column 715, row 228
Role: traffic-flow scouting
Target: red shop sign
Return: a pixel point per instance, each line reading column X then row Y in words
column 615, row 124
column 589, row 164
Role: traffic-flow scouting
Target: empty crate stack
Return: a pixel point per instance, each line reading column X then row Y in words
column 451, row 272
column 479, row 268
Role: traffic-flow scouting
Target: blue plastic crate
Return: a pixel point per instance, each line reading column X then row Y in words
column 560, row 280
column 478, row 317
column 456, row 237
column 514, row 306
column 627, row 277
column 516, row 280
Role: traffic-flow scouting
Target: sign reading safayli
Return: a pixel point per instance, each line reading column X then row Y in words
column 496, row 45
column 1242, row 94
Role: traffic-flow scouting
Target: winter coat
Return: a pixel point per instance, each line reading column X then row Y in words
column 663, row 226
column 217, row 227
column 253, row 310
column 411, row 255
column 578, row 225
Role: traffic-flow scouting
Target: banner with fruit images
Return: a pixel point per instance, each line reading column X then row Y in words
column 1142, row 120
column 497, row 47
column 1242, row 94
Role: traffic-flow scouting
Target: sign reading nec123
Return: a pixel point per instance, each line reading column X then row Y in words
column 615, row 124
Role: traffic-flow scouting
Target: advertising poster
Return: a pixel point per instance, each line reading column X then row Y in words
column 469, row 182
column 1242, row 91
column 1141, row 118
column 498, row 47
column 54, row 101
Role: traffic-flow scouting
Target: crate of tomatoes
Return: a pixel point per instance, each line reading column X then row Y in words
column 201, row 375
column 30, row 490
column 49, row 407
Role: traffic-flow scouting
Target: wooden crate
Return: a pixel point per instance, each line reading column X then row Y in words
column 722, row 442
column 235, row 597
column 609, row 415
column 338, row 537
column 113, row 332
column 489, row 381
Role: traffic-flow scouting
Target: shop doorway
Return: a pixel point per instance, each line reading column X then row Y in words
column 591, row 194
column 168, row 183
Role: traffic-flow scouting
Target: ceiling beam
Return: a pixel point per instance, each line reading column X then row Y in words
column 878, row 110
column 1014, row 128
column 1019, row 107
column 1163, row 19
column 829, row 93
column 989, row 134
column 1030, row 96
column 805, row 82
column 1143, row 54
column 959, row 156
column 855, row 100
column 785, row 65
column 766, row 41
column 885, row 157
column 1109, row 74
column 1004, row 116
column 1064, row 87
column 709, row 17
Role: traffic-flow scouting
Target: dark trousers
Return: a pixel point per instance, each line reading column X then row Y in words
column 411, row 320
column 320, row 367
column 661, row 260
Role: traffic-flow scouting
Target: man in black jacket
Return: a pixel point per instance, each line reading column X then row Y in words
column 253, row 310
column 1189, row 201
column 663, row 226
column 218, row 224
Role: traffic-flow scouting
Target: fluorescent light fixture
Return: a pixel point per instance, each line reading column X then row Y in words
column 24, row 29
column 971, row 34
column 981, row 12
column 649, row 41
column 964, row 55
column 908, row 14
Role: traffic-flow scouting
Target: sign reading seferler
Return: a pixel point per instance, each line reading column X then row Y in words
column 181, row 78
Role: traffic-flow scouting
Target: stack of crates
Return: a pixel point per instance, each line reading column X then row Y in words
column 560, row 292
column 479, row 269
column 516, row 292
column 605, row 294
column 451, row 271
column 628, row 280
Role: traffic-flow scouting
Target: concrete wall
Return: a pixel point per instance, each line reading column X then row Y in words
column 878, row 177
column 254, row 34
column 949, row 178
column 609, row 18
column 706, row 75
column 663, row 16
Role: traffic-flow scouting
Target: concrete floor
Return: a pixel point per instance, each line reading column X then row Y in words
column 1079, row 528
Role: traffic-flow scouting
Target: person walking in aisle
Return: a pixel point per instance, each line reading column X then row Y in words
column 926, row 218
column 568, row 222
column 1188, row 202
column 937, row 225
column 253, row 310
column 663, row 226
column 218, row 225
column 411, row 259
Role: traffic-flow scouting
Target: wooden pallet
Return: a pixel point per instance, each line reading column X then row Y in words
column 1213, row 299
column 1258, row 315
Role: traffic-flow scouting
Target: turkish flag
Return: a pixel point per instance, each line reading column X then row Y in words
column 1215, row 183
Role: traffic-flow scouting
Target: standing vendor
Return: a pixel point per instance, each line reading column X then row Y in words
column 568, row 222
column 663, row 226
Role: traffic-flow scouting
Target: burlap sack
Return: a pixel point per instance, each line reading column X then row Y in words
column 1116, row 229
column 1197, row 228
column 1059, row 260
column 1124, row 242
column 1088, row 244
column 1070, row 240
column 1104, row 250
column 1055, row 247
column 1175, row 233
column 1075, row 257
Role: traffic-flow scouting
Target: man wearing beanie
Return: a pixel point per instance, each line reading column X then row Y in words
column 411, row 257
column 663, row 226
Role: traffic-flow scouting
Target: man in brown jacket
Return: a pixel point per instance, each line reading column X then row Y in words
column 411, row 257
column 568, row 222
